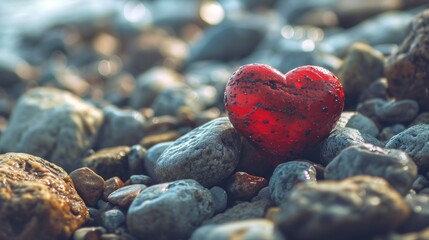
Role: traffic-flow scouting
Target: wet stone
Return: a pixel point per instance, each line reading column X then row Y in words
column 401, row 111
column 406, row 69
column 363, row 124
column 152, row 156
column 89, row 233
column 112, row 184
column 388, row 132
column 355, row 208
column 141, row 179
column 124, row 196
column 242, row 230
column 109, row 162
column 243, row 186
column 130, row 131
column 242, row 211
column 170, row 210
column 288, row 175
column 88, row 184
column 31, row 189
column 377, row 89
column 208, row 154
column 395, row 166
column 419, row 217
column 48, row 122
column 413, row 141
column 220, row 198
column 341, row 138
column 112, row 219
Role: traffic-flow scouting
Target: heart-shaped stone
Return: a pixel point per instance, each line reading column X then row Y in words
column 283, row 115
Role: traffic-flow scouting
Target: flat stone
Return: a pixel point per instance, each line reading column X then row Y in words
column 52, row 124
column 38, row 199
column 395, row 166
column 356, row 208
column 110, row 162
column 208, row 154
column 170, row 210
column 124, row 196
column 88, row 184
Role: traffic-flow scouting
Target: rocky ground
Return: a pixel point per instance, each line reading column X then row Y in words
column 113, row 123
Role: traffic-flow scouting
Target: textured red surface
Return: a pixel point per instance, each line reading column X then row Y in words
column 283, row 115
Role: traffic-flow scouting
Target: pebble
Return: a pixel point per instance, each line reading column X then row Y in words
column 363, row 124
column 288, row 175
column 109, row 162
column 422, row 118
column 242, row 211
column 370, row 107
column 341, row 138
column 124, row 196
column 413, row 141
column 112, row 184
column 377, row 89
column 220, row 198
column 362, row 66
column 130, row 132
column 88, row 184
column 135, row 159
column 400, row 111
column 152, row 156
column 48, row 122
column 395, row 166
column 419, row 217
column 208, row 154
column 243, row 230
column 243, row 186
column 170, row 210
column 358, row 206
column 172, row 100
column 32, row 189
column 420, row 183
column 89, row 233
column 141, row 179
column 406, row 69
column 112, row 219
column 388, row 132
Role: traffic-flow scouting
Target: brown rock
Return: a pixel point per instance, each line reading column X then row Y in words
column 37, row 200
column 124, row 196
column 407, row 70
column 112, row 184
column 243, row 186
column 110, row 162
column 88, row 184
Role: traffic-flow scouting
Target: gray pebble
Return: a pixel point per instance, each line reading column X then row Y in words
column 170, row 100
column 413, row 141
column 388, row 132
column 207, row 154
column 120, row 128
column 363, row 124
column 152, row 156
column 419, row 217
column 135, row 159
column 355, row 208
column 393, row 165
column 341, row 138
column 377, row 89
column 254, row 229
column 141, row 179
column 401, row 111
column 170, row 210
column 220, row 198
column 370, row 107
column 112, row 219
column 288, row 175
column 48, row 123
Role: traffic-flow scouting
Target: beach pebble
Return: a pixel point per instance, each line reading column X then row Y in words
column 141, row 179
column 124, row 196
column 413, row 141
column 112, row 219
column 112, row 184
column 172, row 99
column 152, row 156
column 377, row 89
column 208, row 154
column 170, row 210
column 48, row 123
column 88, row 184
column 220, row 198
column 400, row 111
column 32, row 189
column 358, row 206
column 419, row 217
column 288, row 175
column 388, row 132
column 243, row 186
column 395, row 166
column 363, row 124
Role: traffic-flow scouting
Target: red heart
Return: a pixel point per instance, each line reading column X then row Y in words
column 283, row 115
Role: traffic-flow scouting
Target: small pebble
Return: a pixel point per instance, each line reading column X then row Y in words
column 112, row 184
column 124, row 196
column 363, row 124
column 243, row 186
column 422, row 118
column 220, row 198
column 141, row 179
column 88, row 184
column 400, row 111
column 388, row 132
column 377, row 89
column 420, row 183
column 112, row 219
column 152, row 156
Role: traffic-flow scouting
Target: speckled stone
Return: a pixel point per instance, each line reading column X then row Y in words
column 406, row 69
column 208, row 154
column 170, row 210
column 112, row 219
column 413, row 141
column 39, row 198
column 341, row 138
column 110, row 162
column 52, row 124
column 419, row 217
column 88, row 184
column 242, row 211
column 243, row 186
column 287, row 175
column 241, row 230
column 124, row 196
column 112, row 184
column 220, row 198
column 362, row 66
column 395, row 166
column 356, row 208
